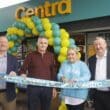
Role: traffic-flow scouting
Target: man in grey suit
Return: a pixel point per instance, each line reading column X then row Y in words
column 99, row 65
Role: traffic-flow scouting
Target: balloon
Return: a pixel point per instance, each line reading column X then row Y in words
column 11, row 44
column 12, row 37
column 56, row 33
column 57, row 41
column 57, row 49
column 36, row 20
column 61, row 58
column 9, row 51
column 35, row 32
column 19, row 25
column 72, row 46
column 20, row 32
column 55, row 26
column 50, row 41
column 64, row 35
column 42, row 33
column 62, row 106
column 14, row 53
column 63, row 51
column 79, row 55
column 72, row 41
column 39, row 28
column 62, row 30
column 13, row 49
column 65, row 43
column 28, row 31
column 45, row 20
column 17, row 90
column 47, row 26
column 17, row 44
column 30, row 25
column 48, row 33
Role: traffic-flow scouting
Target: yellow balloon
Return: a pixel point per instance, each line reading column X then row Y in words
column 65, row 43
column 79, row 55
column 63, row 51
column 14, row 54
column 47, row 26
column 30, row 25
column 62, row 106
column 62, row 30
column 61, row 58
column 17, row 90
column 50, row 41
column 45, row 20
column 20, row 32
column 11, row 44
column 35, row 32
column 64, row 35
column 48, row 33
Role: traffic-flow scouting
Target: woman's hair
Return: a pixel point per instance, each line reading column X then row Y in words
column 76, row 49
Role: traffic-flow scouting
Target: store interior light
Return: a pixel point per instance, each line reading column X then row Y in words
column 7, row 3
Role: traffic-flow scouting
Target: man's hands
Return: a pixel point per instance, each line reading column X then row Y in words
column 54, row 93
column 12, row 73
column 23, row 75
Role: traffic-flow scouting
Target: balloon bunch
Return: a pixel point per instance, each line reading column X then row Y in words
column 34, row 26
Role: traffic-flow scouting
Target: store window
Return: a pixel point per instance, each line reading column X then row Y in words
column 80, row 40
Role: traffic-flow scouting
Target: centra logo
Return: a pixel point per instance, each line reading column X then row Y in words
column 46, row 10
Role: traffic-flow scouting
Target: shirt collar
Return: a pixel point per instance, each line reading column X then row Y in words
column 5, row 55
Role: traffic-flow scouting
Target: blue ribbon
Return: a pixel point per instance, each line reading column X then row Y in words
column 47, row 83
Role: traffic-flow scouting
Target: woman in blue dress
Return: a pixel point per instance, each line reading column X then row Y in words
column 71, row 71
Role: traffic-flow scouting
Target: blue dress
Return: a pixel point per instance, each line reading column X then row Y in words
column 78, row 71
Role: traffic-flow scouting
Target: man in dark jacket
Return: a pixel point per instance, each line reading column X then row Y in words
column 8, row 65
column 99, row 65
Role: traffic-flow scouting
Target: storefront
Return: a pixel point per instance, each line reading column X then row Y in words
column 82, row 19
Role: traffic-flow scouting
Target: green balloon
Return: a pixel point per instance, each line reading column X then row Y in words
column 56, row 33
column 57, row 41
column 28, row 31
column 14, row 37
column 39, row 28
column 14, row 49
column 57, row 49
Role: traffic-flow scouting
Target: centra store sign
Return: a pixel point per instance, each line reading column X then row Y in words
column 46, row 10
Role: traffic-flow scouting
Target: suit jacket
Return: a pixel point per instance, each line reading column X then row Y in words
column 92, row 66
column 12, row 65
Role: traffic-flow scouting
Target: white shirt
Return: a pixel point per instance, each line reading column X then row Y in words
column 73, row 101
column 101, row 69
column 3, row 70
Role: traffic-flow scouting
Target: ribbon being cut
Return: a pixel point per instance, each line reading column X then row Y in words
column 47, row 83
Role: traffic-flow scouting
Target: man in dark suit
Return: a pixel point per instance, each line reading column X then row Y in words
column 99, row 65
column 8, row 65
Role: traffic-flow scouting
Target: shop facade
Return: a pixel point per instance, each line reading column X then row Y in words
column 84, row 21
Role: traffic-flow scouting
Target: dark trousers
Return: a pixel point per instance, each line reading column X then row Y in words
column 76, row 107
column 102, row 100
column 39, row 98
